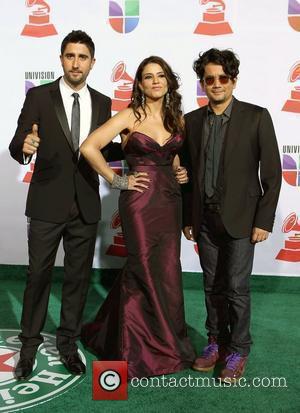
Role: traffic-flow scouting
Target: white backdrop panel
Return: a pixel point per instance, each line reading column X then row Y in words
column 261, row 36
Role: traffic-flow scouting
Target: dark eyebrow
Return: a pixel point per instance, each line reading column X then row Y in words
column 158, row 73
column 80, row 55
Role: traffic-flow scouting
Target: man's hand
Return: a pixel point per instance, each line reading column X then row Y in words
column 181, row 175
column 188, row 233
column 259, row 235
column 31, row 142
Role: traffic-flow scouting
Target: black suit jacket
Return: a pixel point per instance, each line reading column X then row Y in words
column 59, row 176
column 251, row 178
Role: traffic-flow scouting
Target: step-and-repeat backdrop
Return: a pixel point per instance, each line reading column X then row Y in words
column 264, row 33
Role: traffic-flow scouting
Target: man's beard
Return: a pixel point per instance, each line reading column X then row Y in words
column 75, row 81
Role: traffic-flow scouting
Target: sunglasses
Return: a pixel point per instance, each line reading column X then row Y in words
column 210, row 80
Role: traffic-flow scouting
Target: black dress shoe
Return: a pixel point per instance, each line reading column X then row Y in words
column 73, row 363
column 24, row 368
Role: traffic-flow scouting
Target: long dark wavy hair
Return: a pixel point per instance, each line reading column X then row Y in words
column 171, row 111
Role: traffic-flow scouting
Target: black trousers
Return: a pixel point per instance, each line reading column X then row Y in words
column 227, row 265
column 43, row 241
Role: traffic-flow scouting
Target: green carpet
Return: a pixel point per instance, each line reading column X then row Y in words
column 275, row 351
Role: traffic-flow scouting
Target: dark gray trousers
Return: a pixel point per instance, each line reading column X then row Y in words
column 227, row 265
column 43, row 241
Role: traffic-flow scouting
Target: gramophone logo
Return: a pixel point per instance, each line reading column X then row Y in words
column 39, row 20
column 213, row 21
column 124, row 19
column 291, row 250
column 28, row 173
column 293, row 104
column 117, row 248
column 294, row 14
column 124, row 83
column 202, row 99
column 196, row 248
column 291, row 165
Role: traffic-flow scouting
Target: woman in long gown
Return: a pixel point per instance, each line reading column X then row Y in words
column 142, row 319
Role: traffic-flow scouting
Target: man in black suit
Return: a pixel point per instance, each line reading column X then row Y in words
column 63, row 198
column 229, row 205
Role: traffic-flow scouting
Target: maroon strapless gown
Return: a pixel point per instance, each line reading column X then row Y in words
column 142, row 319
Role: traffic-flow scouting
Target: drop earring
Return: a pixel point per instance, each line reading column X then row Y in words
column 167, row 99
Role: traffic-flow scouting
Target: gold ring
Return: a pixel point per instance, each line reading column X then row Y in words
column 33, row 142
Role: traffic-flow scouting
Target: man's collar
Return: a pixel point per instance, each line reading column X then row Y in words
column 70, row 90
column 226, row 112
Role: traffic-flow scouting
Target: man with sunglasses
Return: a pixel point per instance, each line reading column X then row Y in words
column 229, row 205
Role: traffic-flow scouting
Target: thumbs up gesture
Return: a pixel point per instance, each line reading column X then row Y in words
column 32, row 141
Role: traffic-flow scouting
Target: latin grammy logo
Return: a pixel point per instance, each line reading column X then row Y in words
column 122, row 94
column 291, row 250
column 213, row 21
column 118, row 247
column 39, row 20
column 293, row 104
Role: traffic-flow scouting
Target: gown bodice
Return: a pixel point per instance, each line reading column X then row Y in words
column 141, row 150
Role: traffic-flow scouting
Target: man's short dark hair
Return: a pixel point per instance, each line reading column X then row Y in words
column 225, row 58
column 78, row 36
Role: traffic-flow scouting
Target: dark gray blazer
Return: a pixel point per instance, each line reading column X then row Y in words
column 58, row 175
column 251, row 168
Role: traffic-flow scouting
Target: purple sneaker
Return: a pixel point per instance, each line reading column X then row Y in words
column 234, row 369
column 211, row 354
